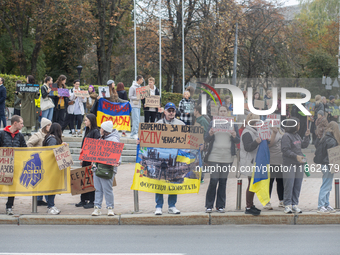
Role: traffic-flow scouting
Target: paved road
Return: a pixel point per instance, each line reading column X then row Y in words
column 245, row 239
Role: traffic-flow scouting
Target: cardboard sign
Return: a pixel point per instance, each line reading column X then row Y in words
column 101, row 151
column 264, row 130
column 275, row 120
column 82, row 180
column 104, row 92
column 54, row 89
column 63, row 92
column 334, row 158
column 259, row 104
column 170, row 136
column 143, row 92
column 63, row 157
column 81, row 93
column 28, row 88
column 6, row 166
column 213, row 109
column 269, row 103
column 222, row 124
column 153, row 101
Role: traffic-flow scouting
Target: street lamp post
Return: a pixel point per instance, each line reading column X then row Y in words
column 79, row 68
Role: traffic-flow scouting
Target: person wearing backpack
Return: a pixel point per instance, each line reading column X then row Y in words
column 330, row 139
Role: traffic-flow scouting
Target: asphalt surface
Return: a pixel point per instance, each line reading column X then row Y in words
column 231, row 239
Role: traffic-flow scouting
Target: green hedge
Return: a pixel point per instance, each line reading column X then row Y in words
column 10, row 81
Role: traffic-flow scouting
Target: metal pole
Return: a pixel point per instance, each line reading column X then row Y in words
column 183, row 47
column 339, row 45
column 135, row 35
column 160, row 48
column 34, row 204
column 337, row 197
column 235, row 56
column 239, row 194
column 135, row 200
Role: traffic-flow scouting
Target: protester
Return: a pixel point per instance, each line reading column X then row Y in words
column 91, row 131
column 227, row 102
column 325, row 106
column 267, row 96
column 3, row 95
column 149, row 112
column 332, row 104
column 293, row 161
column 61, row 103
column 220, row 154
column 12, row 137
column 92, row 98
column 201, row 120
column 122, row 95
column 28, row 107
column 135, row 105
column 302, row 118
column 256, row 96
column 53, row 137
column 318, row 106
column 321, row 124
column 46, row 104
column 103, row 185
column 17, row 100
column 185, row 108
column 275, row 164
column 250, row 141
column 330, row 140
column 36, row 140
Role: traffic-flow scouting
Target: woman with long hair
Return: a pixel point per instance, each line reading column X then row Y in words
column 28, row 107
column 330, row 139
column 122, row 95
column 113, row 93
column 53, row 137
column 91, row 131
column 61, row 103
column 46, row 106
column 90, row 100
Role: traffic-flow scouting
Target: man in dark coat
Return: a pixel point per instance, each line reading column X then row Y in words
column 3, row 95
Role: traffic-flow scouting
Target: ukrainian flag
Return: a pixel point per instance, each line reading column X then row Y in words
column 261, row 176
column 185, row 157
column 118, row 113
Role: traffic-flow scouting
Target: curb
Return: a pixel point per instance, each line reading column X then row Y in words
column 229, row 218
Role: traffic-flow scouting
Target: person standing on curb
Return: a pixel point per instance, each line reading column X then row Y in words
column 104, row 174
column 135, row 105
column 11, row 136
column 3, row 95
column 330, row 140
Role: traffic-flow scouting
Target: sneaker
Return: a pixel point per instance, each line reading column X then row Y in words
column 208, row 210
column 79, row 134
column 9, row 211
column 41, row 203
column 322, row 209
column 253, row 211
column 296, row 209
column 256, row 208
column 220, row 210
column 53, row 210
column 110, row 211
column 80, row 204
column 74, row 134
column 134, row 137
column 288, row 209
column 330, row 209
column 158, row 211
column 96, row 211
column 124, row 135
column 89, row 205
column 281, row 204
column 268, row 206
column 173, row 210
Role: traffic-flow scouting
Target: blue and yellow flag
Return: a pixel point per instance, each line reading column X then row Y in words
column 261, row 176
column 36, row 173
column 118, row 113
column 185, row 156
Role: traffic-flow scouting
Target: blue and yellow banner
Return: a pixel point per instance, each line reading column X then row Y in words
column 167, row 170
column 36, row 172
column 118, row 113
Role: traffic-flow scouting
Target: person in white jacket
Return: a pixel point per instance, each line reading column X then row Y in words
column 75, row 109
column 135, row 105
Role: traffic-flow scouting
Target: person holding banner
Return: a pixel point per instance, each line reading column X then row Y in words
column 293, row 161
column 46, row 104
column 330, row 140
column 10, row 136
column 135, row 104
column 52, row 138
column 91, row 131
column 221, row 152
column 150, row 113
column 122, row 95
column 28, row 107
column 104, row 186
column 3, row 95
column 61, row 103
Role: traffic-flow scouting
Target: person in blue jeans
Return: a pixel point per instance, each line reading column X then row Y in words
column 3, row 94
column 135, row 105
column 330, row 139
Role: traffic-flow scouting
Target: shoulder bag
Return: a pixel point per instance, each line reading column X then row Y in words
column 46, row 103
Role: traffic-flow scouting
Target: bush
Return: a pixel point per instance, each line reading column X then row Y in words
column 10, row 81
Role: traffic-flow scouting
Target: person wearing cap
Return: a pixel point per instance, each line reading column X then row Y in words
column 332, row 105
column 36, row 140
column 321, row 123
column 104, row 186
column 135, row 104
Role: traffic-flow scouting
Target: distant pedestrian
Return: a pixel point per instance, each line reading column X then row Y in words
column 3, row 95
column 136, row 105
column 46, row 103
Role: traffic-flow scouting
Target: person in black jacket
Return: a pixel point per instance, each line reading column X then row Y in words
column 330, row 140
column 52, row 138
column 3, row 95
column 91, row 131
column 122, row 95
column 11, row 137
column 150, row 113
column 46, row 110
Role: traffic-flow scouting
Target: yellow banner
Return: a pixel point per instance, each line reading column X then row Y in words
column 36, row 173
column 119, row 122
